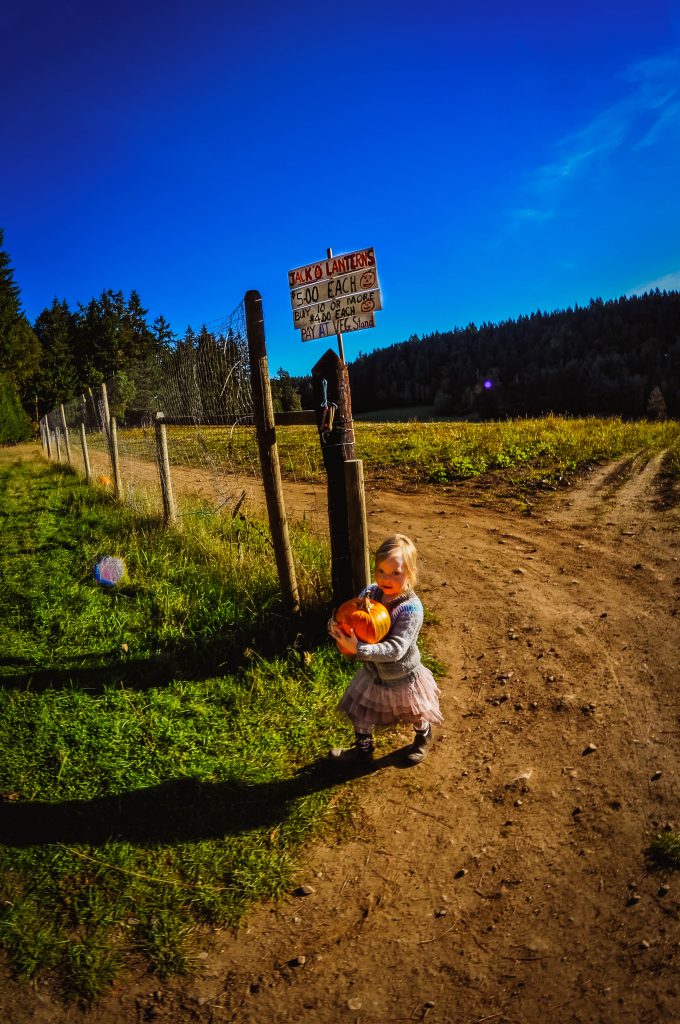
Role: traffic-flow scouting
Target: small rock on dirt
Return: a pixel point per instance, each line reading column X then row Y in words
column 304, row 890
column 590, row 749
column 353, row 1004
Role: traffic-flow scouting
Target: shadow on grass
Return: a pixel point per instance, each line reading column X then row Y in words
column 180, row 811
column 200, row 658
column 93, row 675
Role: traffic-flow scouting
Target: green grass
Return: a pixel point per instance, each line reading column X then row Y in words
column 152, row 737
column 531, row 452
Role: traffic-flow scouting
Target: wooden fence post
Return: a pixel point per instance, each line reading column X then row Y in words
column 115, row 461
column 105, row 414
column 269, row 454
column 56, row 435
column 67, row 439
column 163, row 459
column 45, row 434
column 333, row 405
column 356, row 524
column 86, row 457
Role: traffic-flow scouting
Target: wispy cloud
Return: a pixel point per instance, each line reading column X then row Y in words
column 641, row 119
column 667, row 283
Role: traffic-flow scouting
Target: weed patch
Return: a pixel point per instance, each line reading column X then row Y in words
column 665, row 849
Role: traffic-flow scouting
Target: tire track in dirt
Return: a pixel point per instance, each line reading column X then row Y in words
column 623, row 493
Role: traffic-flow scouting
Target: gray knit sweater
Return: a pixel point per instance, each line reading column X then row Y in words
column 396, row 658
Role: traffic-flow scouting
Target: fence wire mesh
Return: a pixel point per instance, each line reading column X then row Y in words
column 202, row 388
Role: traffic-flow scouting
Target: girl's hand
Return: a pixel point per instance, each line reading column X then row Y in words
column 346, row 644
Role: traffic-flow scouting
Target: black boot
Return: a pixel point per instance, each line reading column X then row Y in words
column 418, row 749
column 360, row 754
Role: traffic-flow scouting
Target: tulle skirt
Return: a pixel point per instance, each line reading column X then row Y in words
column 368, row 704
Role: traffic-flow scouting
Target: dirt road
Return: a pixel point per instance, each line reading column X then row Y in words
column 503, row 879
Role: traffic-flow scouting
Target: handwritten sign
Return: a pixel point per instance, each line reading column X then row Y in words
column 333, row 288
column 335, row 295
column 332, row 266
column 349, row 323
column 337, row 309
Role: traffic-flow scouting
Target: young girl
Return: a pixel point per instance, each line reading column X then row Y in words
column 391, row 685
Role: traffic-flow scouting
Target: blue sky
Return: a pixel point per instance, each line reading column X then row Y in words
column 501, row 158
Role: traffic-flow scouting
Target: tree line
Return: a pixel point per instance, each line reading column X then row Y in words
column 66, row 353
column 620, row 357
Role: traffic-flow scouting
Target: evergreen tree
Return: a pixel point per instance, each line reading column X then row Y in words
column 19, row 346
column 656, row 405
column 98, row 349
column 111, row 334
column 285, row 396
column 10, row 303
column 55, row 328
column 162, row 334
column 138, row 339
column 15, row 425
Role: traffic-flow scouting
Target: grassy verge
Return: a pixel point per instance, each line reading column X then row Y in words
column 152, row 736
column 536, row 451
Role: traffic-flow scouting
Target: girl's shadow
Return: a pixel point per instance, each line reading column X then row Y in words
column 182, row 810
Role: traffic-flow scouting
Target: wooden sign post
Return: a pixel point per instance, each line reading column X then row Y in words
column 330, row 297
column 332, row 401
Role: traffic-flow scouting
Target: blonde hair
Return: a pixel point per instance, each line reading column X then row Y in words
column 399, row 544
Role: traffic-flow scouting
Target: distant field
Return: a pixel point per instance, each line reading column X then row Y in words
column 420, row 413
column 422, row 452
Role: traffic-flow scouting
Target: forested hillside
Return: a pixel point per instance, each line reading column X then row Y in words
column 618, row 357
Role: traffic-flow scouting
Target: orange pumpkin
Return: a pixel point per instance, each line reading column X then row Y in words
column 369, row 619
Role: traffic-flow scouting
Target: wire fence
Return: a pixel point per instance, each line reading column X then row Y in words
column 201, row 388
